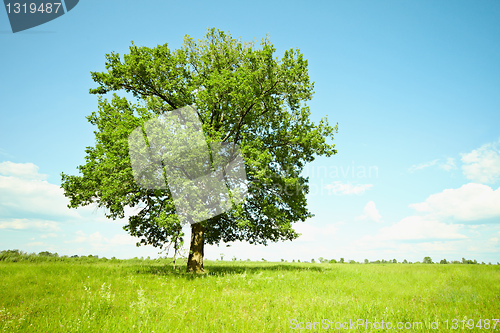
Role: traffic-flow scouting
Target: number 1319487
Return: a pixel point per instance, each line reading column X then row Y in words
column 44, row 7
column 456, row 324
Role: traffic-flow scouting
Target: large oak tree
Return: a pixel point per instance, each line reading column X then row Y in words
column 244, row 95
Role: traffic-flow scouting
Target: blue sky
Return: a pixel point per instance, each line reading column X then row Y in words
column 414, row 86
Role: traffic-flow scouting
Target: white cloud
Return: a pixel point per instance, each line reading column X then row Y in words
column 80, row 237
column 20, row 197
column 341, row 188
column 21, row 170
column 419, row 228
column 123, row 239
column 429, row 233
column 482, row 165
column 23, row 194
column 371, row 213
column 25, row 224
column 310, row 232
column 99, row 242
column 471, row 202
column 416, row 250
column 413, row 236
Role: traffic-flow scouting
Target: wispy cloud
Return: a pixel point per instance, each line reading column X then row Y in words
column 421, row 166
column 97, row 241
column 3, row 152
column 25, row 224
column 341, row 188
column 448, row 164
column 34, row 244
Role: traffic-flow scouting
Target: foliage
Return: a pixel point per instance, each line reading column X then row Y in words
column 468, row 261
column 48, row 254
column 244, row 95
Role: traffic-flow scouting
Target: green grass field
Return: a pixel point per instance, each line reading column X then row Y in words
column 148, row 296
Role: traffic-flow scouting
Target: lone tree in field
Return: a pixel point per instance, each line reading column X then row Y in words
column 243, row 95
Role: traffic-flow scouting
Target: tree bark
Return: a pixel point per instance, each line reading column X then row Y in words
column 195, row 259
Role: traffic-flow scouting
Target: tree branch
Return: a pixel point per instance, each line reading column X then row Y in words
column 240, row 122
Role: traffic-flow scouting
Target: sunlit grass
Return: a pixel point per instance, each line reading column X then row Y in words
column 149, row 296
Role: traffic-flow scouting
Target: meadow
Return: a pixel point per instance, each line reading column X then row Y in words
column 104, row 295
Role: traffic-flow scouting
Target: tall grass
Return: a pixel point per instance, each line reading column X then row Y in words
column 90, row 295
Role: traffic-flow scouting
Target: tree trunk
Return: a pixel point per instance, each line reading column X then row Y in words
column 195, row 259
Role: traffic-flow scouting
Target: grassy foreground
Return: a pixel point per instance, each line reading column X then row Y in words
column 148, row 296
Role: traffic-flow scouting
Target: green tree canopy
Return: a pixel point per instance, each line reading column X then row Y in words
column 243, row 95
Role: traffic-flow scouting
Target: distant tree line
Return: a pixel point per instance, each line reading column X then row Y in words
column 426, row 260
column 18, row 255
